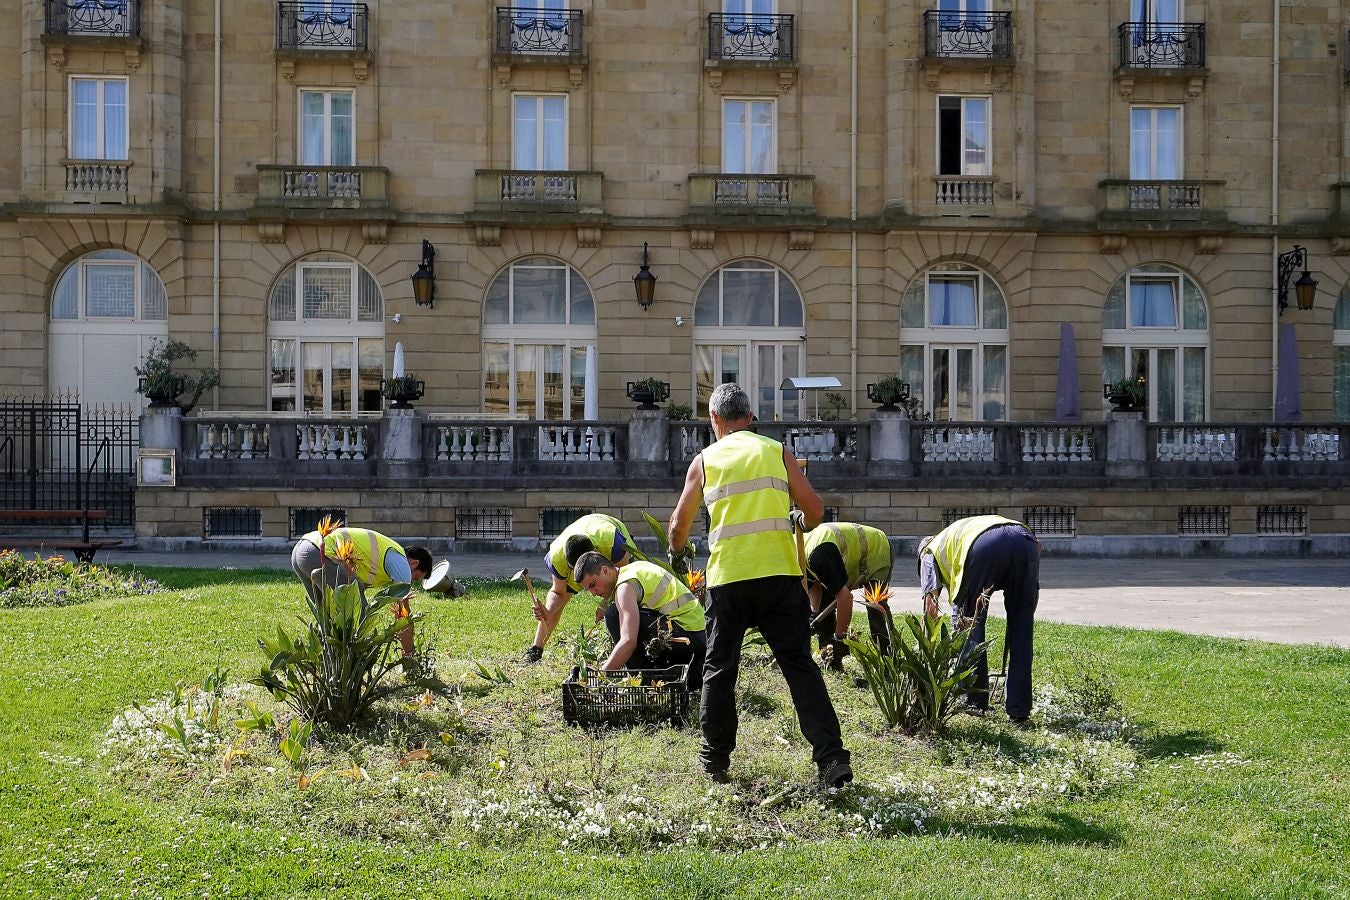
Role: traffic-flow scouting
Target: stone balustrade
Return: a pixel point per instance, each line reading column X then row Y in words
column 469, row 442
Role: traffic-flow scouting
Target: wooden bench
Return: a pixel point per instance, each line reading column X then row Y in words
column 83, row 548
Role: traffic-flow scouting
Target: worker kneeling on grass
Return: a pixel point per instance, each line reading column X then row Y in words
column 379, row 562
column 652, row 617
column 842, row 557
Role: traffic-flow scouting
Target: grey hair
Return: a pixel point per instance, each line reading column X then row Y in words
column 730, row 403
column 588, row 564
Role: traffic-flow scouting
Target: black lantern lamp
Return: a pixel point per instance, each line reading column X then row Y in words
column 1305, row 289
column 644, row 282
column 424, row 279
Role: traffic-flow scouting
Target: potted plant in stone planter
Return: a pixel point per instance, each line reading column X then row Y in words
column 888, row 393
column 1126, row 394
column 648, row 392
column 402, row 390
column 159, row 383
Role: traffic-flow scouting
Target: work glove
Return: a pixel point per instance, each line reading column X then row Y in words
column 798, row 520
column 679, row 559
column 533, row 654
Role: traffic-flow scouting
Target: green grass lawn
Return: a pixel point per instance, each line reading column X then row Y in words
column 1237, row 787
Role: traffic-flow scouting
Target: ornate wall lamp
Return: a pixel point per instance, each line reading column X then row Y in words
column 645, row 282
column 1305, row 289
column 424, row 279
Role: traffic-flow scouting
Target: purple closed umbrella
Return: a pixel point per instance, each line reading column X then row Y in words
column 1066, row 387
column 1288, row 402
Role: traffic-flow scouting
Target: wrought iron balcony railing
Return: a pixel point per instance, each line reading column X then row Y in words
column 317, row 25
column 737, row 194
column 967, row 34
column 101, row 18
column 1162, row 45
column 751, row 36
column 529, row 32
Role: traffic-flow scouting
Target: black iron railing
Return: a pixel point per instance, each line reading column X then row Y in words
column 1162, row 45
column 107, row 18
column 967, row 34
column 524, row 31
column 752, row 36
column 322, row 26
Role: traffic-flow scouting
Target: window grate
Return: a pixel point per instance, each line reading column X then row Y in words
column 232, row 522
column 554, row 520
column 1282, row 520
column 952, row 513
column 305, row 519
column 1051, row 521
column 484, row 523
column 1211, row 521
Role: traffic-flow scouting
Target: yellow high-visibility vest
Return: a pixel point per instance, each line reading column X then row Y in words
column 664, row 593
column 370, row 549
column 866, row 550
column 950, row 546
column 600, row 529
column 745, row 487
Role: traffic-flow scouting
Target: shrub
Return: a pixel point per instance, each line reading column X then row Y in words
column 680, row 412
column 917, row 685
column 164, row 386
column 55, row 581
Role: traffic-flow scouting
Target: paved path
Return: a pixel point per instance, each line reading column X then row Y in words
column 1286, row 600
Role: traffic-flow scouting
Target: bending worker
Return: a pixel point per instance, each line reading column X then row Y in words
column 842, row 557
column 380, row 562
column 972, row 558
column 605, row 535
column 748, row 483
column 653, row 618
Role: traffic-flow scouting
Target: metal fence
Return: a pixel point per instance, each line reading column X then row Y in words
column 57, row 454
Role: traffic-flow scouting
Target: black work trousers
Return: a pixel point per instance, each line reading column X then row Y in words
column 779, row 608
column 650, row 622
column 1008, row 559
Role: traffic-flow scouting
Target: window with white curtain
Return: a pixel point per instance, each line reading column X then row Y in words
column 326, row 338
column 327, row 128
column 538, row 317
column 1340, row 374
column 98, row 118
column 1155, row 143
column 963, row 135
column 539, row 132
column 954, row 343
column 749, row 136
column 748, row 329
column 1155, row 325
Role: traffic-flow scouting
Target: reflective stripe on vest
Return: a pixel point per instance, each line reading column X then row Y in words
column 745, row 486
column 951, row 545
column 600, row 529
column 865, row 551
column 665, row 594
column 370, row 549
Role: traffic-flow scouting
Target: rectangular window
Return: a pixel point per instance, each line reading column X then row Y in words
column 327, row 128
column 283, row 376
column 1340, row 385
column 1155, row 143
column 1051, row 521
column 749, row 137
column 98, row 118
column 110, row 290
column 1153, row 303
column 1202, row 521
column 1282, row 520
column 963, row 136
column 951, row 302
column 326, row 291
column 952, row 513
column 305, row 519
column 539, row 127
column 231, row 522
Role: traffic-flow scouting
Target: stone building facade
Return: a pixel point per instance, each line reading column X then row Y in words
column 856, row 189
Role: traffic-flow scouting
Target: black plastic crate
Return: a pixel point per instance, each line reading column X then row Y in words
column 606, row 702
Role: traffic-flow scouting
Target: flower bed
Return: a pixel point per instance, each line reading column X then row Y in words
column 55, row 581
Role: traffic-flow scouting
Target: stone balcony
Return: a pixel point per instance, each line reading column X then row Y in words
column 1163, row 204
column 729, row 194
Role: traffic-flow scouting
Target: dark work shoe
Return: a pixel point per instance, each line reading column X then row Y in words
column 836, row 774
column 1022, row 722
column 717, row 775
column 533, row 655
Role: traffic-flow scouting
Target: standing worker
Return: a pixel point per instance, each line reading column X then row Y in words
column 597, row 532
column 842, row 557
column 653, row 618
column 380, row 561
column 972, row 558
column 748, row 483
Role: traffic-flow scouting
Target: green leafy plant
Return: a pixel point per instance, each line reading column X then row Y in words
column 258, row 720
column 55, row 581
column 680, row 412
column 917, row 684
column 334, row 670
column 163, row 385
column 293, row 746
column 1090, row 689
column 586, row 647
column 834, row 407
column 1133, row 391
column 494, row 675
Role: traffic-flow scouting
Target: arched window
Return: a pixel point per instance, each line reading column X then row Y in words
column 1340, row 381
column 954, row 343
column 108, row 308
column 1155, row 324
column 748, row 329
column 538, row 317
column 326, row 328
